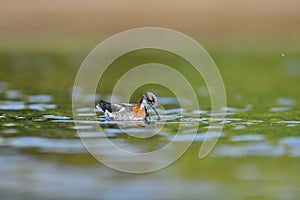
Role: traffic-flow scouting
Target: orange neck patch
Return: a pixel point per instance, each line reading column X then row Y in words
column 138, row 111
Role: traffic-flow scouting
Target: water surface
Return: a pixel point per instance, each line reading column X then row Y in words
column 257, row 155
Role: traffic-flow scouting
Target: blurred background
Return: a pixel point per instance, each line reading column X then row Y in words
column 229, row 25
column 255, row 44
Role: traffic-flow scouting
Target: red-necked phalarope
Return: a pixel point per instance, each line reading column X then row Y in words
column 134, row 112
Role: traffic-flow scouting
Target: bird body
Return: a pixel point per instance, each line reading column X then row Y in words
column 130, row 112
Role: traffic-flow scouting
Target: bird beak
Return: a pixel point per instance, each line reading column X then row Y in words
column 153, row 108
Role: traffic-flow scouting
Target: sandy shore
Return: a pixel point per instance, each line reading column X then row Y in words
column 73, row 20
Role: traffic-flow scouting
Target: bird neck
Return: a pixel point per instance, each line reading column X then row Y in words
column 139, row 109
column 141, row 100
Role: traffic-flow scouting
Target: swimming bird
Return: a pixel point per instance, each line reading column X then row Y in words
column 130, row 112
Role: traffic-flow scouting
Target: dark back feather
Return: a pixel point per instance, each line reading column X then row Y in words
column 105, row 106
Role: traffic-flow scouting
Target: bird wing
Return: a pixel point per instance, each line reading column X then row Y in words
column 114, row 107
column 105, row 106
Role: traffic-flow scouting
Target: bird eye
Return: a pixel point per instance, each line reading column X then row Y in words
column 151, row 101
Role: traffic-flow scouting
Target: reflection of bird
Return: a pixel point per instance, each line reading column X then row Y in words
column 123, row 111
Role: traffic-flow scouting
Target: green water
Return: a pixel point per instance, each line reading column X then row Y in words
column 257, row 157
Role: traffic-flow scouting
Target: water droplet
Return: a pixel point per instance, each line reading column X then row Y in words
column 83, row 127
column 247, row 138
column 279, row 109
column 9, row 125
column 13, row 94
column 12, row 105
column 285, row 101
column 55, row 117
column 40, row 98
